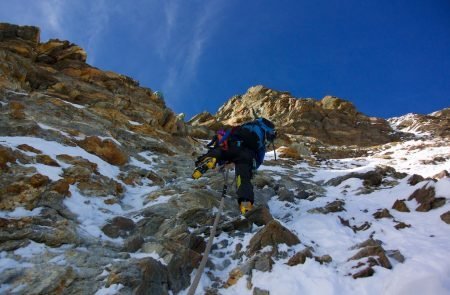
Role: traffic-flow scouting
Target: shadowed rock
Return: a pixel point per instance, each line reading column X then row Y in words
column 271, row 235
column 425, row 196
column 384, row 213
column 400, row 206
column 415, row 179
column 446, row 217
column 300, row 257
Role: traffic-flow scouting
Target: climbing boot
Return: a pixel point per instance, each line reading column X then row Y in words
column 244, row 207
column 203, row 166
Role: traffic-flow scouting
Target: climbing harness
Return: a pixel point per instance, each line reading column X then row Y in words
column 202, row 265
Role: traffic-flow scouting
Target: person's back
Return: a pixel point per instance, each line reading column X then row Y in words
column 245, row 147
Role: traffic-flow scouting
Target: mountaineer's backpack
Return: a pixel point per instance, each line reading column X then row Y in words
column 255, row 135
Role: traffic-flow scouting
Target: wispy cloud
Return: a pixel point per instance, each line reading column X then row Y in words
column 186, row 48
column 84, row 21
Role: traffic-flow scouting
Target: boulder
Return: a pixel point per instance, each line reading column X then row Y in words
column 400, row 206
column 259, row 215
column 446, row 217
column 144, row 276
column 272, row 234
column 415, row 179
column 425, row 196
column 105, row 149
column 371, row 248
column 382, row 213
column 300, row 257
column 119, row 227
column 335, row 206
column 440, row 175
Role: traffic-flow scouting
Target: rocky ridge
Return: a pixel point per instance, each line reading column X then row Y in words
column 96, row 193
column 330, row 121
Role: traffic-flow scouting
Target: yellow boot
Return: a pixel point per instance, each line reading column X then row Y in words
column 207, row 163
column 244, row 207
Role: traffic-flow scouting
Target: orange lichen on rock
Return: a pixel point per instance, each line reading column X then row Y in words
column 106, row 149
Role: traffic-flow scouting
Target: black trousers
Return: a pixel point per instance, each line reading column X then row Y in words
column 242, row 158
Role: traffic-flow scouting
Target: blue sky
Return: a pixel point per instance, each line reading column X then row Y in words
column 389, row 57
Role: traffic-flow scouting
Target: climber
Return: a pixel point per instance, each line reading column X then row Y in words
column 245, row 146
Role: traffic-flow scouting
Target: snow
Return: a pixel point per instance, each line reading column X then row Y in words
column 20, row 212
column 30, row 250
column 111, row 290
column 425, row 245
column 74, row 104
column 46, row 127
column 92, row 213
column 52, row 149
column 134, row 123
column 153, row 255
column 110, row 138
column 8, row 263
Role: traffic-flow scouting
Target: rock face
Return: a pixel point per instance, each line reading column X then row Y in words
column 434, row 124
column 58, row 69
column 331, row 120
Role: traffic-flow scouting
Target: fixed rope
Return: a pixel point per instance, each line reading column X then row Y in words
column 202, row 265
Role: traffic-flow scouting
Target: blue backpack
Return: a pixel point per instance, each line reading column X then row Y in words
column 255, row 135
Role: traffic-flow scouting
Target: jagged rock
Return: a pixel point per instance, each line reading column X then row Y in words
column 258, row 291
column 6, row 156
column 238, row 224
column 366, row 272
column 55, row 50
column 27, row 148
column 46, row 160
column 44, row 280
column 191, row 241
column 105, row 149
column 271, row 235
column 435, row 124
column 262, row 262
column 180, row 263
column 425, row 196
column 119, row 227
column 415, row 179
column 288, row 153
column 396, row 254
column 400, row 206
column 365, row 226
column 99, row 186
column 49, row 228
column 401, row 225
column 133, row 243
column 144, row 276
column 371, row 248
column 285, row 195
column 442, row 174
column 446, row 217
column 26, row 33
column 16, row 110
column 335, row 206
column 332, row 120
column 382, row 213
column 259, row 215
column 300, row 257
column 370, row 178
column 13, row 245
column 323, row 259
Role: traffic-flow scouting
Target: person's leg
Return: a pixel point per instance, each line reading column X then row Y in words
column 243, row 166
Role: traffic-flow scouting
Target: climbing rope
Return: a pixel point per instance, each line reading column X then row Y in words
column 199, row 273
